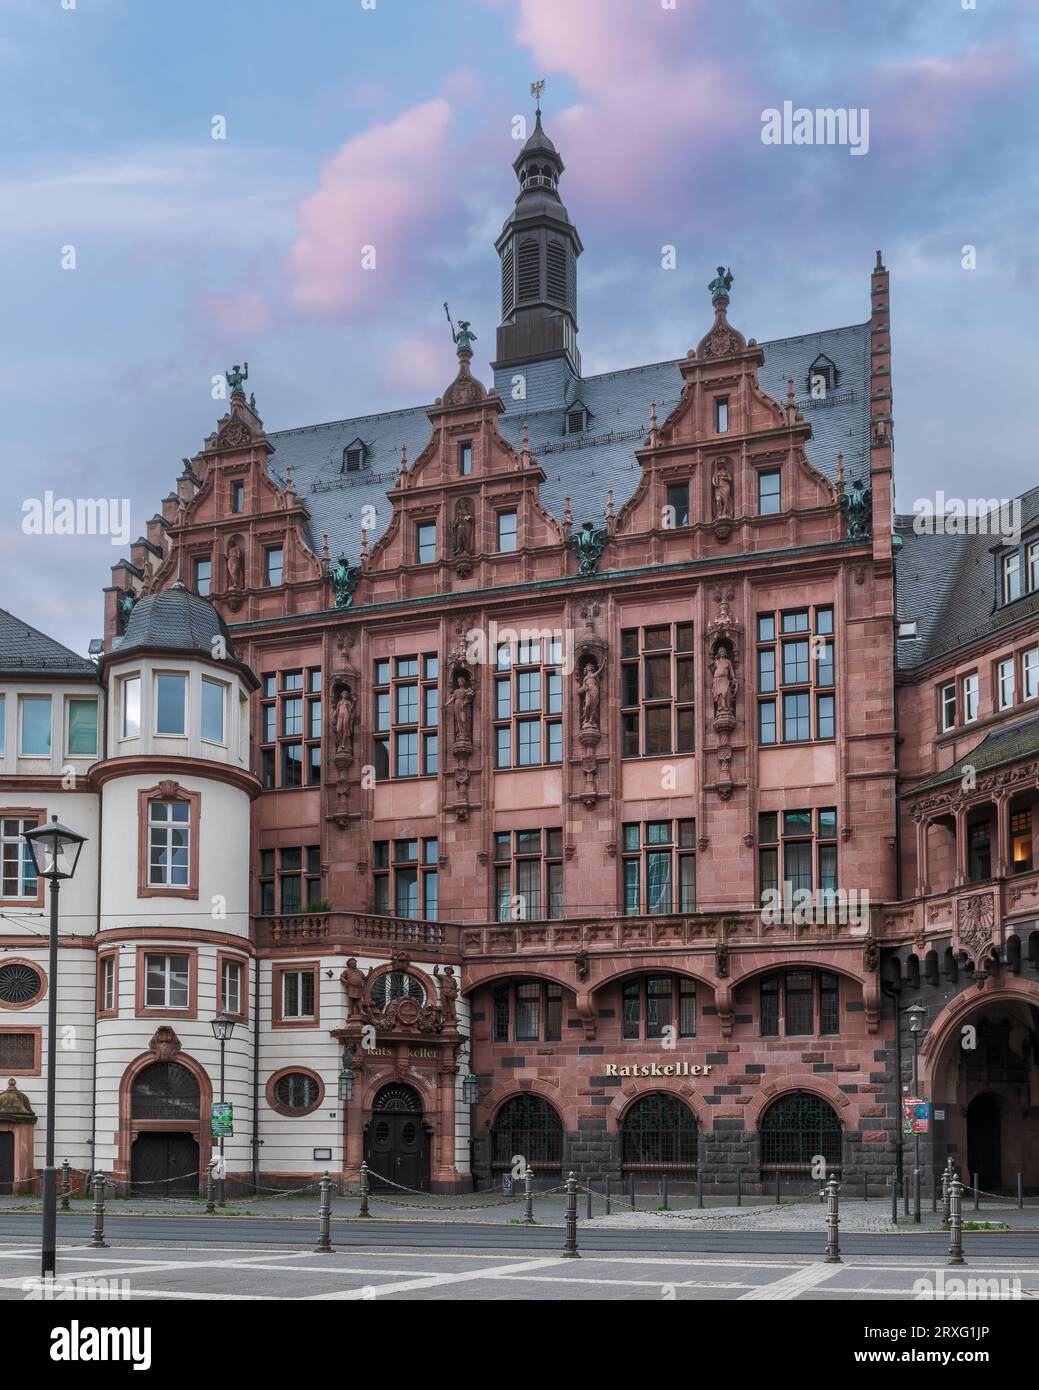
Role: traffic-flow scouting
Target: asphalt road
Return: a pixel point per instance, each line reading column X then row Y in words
column 242, row 1232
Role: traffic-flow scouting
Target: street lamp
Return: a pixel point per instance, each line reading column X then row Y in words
column 915, row 1016
column 222, row 1027
column 54, row 850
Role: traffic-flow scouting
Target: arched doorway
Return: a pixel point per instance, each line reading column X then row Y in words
column 795, row 1130
column 527, row 1127
column 659, row 1135
column 398, row 1144
column 982, row 1063
column 985, row 1142
column 165, row 1109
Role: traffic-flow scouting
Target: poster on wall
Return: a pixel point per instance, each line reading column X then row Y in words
column 916, row 1115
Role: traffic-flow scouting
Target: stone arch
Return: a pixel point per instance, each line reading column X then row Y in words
column 496, row 1097
column 634, row 1090
column 166, row 1050
column 958, row 1011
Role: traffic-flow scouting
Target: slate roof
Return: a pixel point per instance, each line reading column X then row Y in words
column 175, row 618
column 947, row 585
column 24, row 649
column 582, row 466
column 995, row 750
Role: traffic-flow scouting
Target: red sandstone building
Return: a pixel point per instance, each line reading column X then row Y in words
column 556, row 680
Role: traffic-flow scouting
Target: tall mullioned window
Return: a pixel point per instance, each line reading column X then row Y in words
column 795, row 676
column 290, row 879
column 800, row 1003
column 799, row 848
column 528, row 875
column 290, row 729
column 406, row 879
column 653, row 1003
column 657, row 690
column 659, row 866
column 406, row 716
column 528, row 703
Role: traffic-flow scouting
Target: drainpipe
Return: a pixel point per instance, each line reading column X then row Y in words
column 97, row 929
column 256, row 1074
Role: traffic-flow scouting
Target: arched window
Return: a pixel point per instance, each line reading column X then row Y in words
column 397, row 984
column 527, row 1127
column 658, row 1132
column 399, row 1099
column 165, row 1091
column 797, row 1128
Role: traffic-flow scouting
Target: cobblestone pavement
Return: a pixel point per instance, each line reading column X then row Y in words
column 228, row 1274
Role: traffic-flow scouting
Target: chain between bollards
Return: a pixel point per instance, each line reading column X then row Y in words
column 570, row 1246
column 66, row 1174
column 97, row 1240
column 955, row 1222
column 362, row 1210
column 833, row 1221
column 324, row 1218
column 528, row 1196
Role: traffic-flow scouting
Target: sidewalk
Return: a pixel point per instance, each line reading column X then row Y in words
column 718, row 1214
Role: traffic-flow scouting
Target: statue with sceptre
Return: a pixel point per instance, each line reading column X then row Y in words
column 464, row 337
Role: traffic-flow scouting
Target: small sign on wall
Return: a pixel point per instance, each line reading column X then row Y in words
column 322, row 1155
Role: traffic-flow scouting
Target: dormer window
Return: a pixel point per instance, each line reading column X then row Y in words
column 822, row 376
column 353, row 457
column 577, row 418
column 907, row 631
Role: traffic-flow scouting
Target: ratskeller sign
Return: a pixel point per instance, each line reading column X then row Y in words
column 653, row 1069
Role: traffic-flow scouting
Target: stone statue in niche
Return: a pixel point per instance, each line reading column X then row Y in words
column 460, row 702
column 448, row 994
column 721, row 491
column 723, row 681
column 235, row 564
column 463, row 528
column 589, row 690
column 344, row 714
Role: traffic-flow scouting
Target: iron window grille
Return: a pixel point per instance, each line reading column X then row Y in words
column 529, row 1127
column 659, row 1134
column 795, row 1129
column 165, row 1091
column 19, row 983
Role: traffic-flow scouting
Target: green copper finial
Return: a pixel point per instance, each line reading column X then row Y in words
column 721, row 284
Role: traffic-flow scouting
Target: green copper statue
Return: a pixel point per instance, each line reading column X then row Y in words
column 588, row 545
column 236, row 376
column 857, row 506
column 125, row 605
column 465, row 337
column 344, row 578
column 720, row 285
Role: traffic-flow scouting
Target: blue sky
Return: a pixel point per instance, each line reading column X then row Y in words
column 390, row 124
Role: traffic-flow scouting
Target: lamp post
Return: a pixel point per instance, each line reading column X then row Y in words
column 916, row 1015
column 54, row 850
column 223, row 1027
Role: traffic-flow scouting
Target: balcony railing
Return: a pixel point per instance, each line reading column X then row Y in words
column 360, row 928
column 1003, row 902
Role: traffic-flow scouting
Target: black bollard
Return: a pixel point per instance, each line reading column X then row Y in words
column 833, row 1221
column 324, row 1217
column 210, row 1207
column 1020, row 1192
column 916, row 1195
column 955, row 1222
column 362, row 1210
column 632, row 1186
column 699, row 1187
column 865, row 1188
column 570, row 1245
column 977, row 1194
column 528, row 1194
column 65, row 1175
column 777, row 1187
column 894, row 1200
column 664, row 1193
column 97, row 1240
column 905, row 1194
column 607, row 1194
column 588, row 1211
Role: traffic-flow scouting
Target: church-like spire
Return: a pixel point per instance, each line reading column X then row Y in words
column 538, row 247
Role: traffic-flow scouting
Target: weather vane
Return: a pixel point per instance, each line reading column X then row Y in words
column 536, row 88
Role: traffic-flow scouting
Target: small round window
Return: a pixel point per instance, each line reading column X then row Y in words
column 297, row 1092
column 19, row 983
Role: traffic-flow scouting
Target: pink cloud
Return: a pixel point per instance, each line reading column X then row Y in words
column 242, row 314
column 423, row 364
column 920, row 102
column 380, row 191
